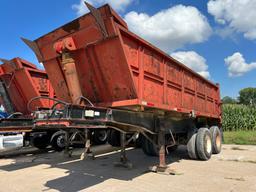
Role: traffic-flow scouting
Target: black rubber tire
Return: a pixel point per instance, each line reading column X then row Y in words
column 55, row 142
column 222, row 135
column 216, row 139
column 172, row 148
column 148, row 148
column 144, row 146
column 114, row 138
column 203, row 139
column 100, row 137
column 191, row 147
column 40, row 142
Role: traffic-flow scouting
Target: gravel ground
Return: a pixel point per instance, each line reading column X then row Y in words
column 32, row 170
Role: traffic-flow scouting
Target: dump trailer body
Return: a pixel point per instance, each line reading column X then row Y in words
column 20, row 82
column 108, row 77
column 116, row 68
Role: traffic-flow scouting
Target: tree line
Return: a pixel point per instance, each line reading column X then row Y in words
column 247, row 96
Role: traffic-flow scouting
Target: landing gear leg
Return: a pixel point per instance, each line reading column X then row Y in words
column 67, row 150
column 87, row 151
column 124, row 162
column 162, row 167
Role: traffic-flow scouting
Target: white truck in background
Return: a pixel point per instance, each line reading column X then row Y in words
column 11, row 141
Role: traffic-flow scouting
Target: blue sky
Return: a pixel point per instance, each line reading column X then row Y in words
column 223, row 31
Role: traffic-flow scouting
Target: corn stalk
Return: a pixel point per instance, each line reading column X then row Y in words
column 238, row 117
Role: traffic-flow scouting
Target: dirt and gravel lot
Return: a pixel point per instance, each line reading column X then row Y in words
column 32, row 170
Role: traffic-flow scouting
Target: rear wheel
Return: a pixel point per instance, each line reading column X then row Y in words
column 216, row 139
column 204, row 144
column 191, row 147
column 114, row 138
column 172, row 148
column 59, row 142
column 149, row 148
column 40, row 142
column 100, row 136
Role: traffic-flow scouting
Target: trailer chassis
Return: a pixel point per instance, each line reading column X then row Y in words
column 152, row 126
column 8, row 125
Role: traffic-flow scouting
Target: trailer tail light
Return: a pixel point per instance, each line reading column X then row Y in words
column 147, row 103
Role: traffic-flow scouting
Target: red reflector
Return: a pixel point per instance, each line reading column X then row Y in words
column 150, row 104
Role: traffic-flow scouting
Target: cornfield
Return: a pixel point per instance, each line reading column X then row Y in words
column 238, row 117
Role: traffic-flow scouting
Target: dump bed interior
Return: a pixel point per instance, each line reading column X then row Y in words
column 23, row 81
column 116, row 68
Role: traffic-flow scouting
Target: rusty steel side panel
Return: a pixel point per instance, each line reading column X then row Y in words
column 23, row 81
column 163, row 81
column 119, row 69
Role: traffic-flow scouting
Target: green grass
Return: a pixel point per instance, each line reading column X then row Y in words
column 240, row 137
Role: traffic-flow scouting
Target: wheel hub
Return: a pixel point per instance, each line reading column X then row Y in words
column 61, row 141
column 102, row 135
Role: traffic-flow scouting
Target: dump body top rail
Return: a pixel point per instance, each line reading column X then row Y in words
column 116, row 68
column 22, row 81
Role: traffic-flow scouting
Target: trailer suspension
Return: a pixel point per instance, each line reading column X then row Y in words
column 173, row 143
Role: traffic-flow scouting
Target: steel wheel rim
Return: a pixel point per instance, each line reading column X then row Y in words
column 208, row 144
column 102, row 135
column 61, row 141
column 218, row 141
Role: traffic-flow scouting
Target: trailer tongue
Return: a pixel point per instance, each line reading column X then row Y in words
column 114, row 79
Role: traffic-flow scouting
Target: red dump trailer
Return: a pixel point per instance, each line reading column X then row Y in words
column 109, row 77
column 21, row 81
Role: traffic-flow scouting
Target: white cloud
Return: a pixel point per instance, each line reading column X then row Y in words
column 238, row 15
column 80, row 8
column 118, row 5
column 171, row 28
column 237, row 65
column 194, row 61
